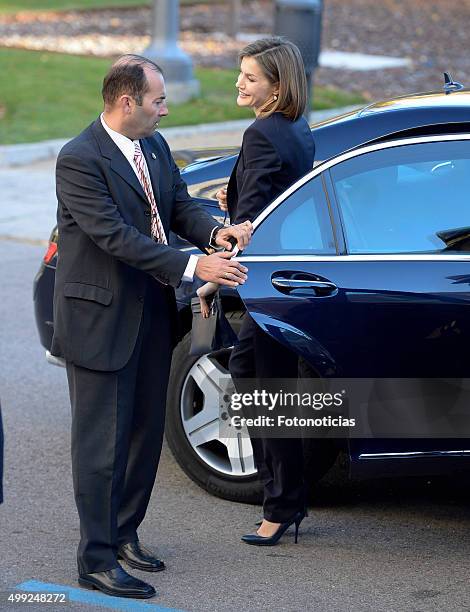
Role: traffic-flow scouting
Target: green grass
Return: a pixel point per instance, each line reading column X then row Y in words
column 13, row 6
column 50, row 95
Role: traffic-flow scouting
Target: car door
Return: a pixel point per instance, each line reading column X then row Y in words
column 382, row 291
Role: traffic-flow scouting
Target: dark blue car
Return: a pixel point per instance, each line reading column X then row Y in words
column 362, row 268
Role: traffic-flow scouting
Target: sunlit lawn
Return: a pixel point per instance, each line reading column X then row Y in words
column 13, row 6
column 52, row 95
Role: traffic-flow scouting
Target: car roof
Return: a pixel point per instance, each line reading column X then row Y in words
column 416, row 114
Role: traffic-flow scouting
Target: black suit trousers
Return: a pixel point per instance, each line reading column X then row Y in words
column 118, row 422
column 280, row 461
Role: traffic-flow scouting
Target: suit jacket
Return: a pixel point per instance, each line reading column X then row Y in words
column 105, row 251
column 275, row 153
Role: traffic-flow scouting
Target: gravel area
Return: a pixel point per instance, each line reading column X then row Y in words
column 432, row 33
column 108, row 33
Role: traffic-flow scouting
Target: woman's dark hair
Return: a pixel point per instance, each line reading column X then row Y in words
column 127, row 76
column 282, row 64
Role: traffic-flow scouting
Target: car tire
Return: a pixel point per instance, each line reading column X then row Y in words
column 208, row 463
column 191, row 409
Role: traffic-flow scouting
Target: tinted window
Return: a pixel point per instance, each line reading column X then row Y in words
column 398, row 200
column 299, row 225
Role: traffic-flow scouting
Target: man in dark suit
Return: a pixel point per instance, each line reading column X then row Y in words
column 119, row 194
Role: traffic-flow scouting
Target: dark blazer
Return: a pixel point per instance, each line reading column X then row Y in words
column 275, row 153
column 105, row 250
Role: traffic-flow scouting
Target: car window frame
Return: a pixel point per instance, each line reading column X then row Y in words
column 325, row 218
column 335, row 212
column 340, row 212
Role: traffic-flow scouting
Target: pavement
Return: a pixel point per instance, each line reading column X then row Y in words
column 27, row 184
column 379, row 546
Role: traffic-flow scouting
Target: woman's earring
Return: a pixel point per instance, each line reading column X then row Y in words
column 274, row 97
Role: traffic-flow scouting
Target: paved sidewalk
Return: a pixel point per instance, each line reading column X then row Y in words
column 27, row 189
column 28, row 202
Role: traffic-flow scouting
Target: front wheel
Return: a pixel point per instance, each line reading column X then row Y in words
column 222, row 466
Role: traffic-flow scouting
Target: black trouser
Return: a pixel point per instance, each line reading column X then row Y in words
column 118, row 421
column 279, row 461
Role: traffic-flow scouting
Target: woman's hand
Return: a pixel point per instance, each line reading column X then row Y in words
column 204, row 307
column 221, row 196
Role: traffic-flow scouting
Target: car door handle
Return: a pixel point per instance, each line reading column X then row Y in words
column 287, row 285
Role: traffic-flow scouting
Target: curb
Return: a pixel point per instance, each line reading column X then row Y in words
column 23, row 154
column 29, row 153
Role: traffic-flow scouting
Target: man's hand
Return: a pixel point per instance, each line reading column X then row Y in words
column 221, row 196
column 218, row 268
column 241, row 233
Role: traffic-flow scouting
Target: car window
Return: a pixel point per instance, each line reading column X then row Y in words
column 406, row 199
column 299, row 225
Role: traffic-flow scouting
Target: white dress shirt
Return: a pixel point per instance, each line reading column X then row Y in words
column 126, row 146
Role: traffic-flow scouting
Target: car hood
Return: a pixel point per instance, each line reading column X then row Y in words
column 191, row 158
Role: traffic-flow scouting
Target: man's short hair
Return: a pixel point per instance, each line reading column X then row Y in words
column 127, row 76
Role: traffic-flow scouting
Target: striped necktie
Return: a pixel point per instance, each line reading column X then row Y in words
column 156, row 226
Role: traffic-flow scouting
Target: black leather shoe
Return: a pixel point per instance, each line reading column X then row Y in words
column 139, row 557
column 118, row 583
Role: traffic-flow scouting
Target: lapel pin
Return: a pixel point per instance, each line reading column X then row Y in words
column 154, row 156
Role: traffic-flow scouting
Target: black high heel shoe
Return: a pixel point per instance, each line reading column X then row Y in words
column 257, row 540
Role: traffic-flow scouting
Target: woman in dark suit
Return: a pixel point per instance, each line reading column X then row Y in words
column 277, row 150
